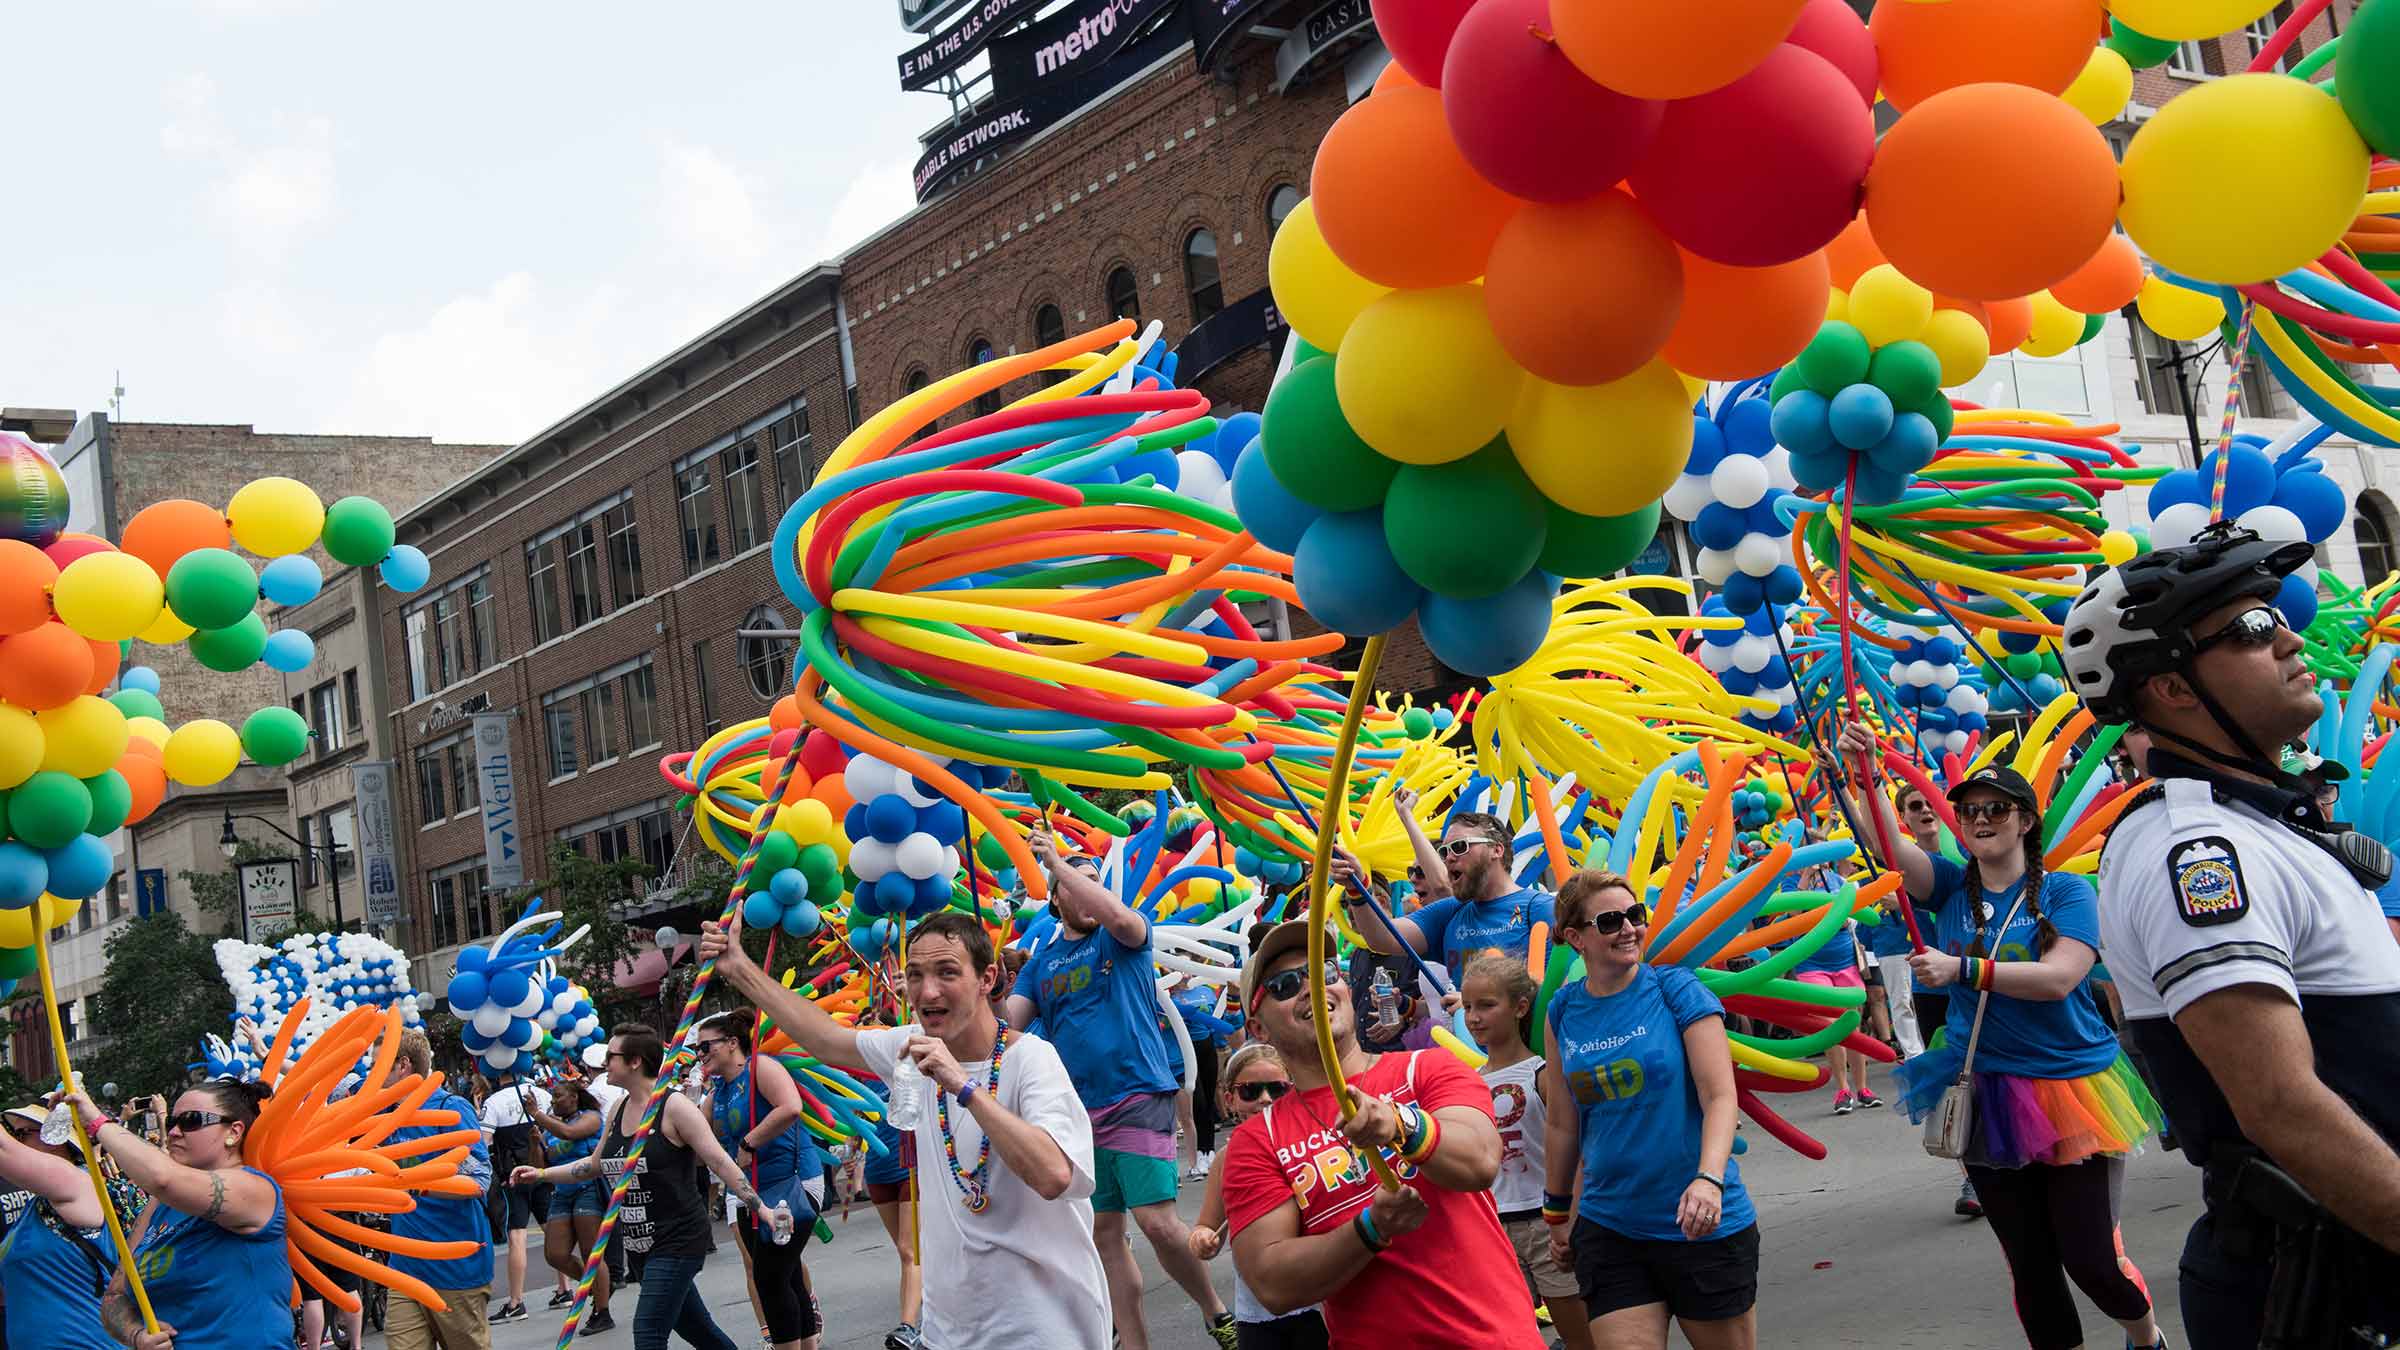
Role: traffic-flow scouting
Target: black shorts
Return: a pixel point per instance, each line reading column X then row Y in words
column 512, row 1207
column 1706, row 1281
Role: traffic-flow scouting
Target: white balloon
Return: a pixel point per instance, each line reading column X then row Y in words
column 1690, row 492
column 906, row 785
column 1198, row 474
column 489, row 1020
column 1752, row 653
column 500, row 1056
column 870, row 858
column 1962, row 698
column 1945, row 677
column 1739, row 481
column 1758, row 554
column 1918, row 673
column 531, row 1003
column 2276, row 523
column 1714, row 565
column 951, row 861
column 918, row 856
column 2175, row 526
column 1785, row 694
column 1716, row 658
column 1779, row 469
column 867, row 778
column 1955, row 742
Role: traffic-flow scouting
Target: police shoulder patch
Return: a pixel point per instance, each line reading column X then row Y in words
column 2207, row 878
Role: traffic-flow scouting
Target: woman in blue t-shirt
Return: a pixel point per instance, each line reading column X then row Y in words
column 1640, row 1095
column 572, row 1224
column 2057, row 1106
column 754, row 1108
column 210, row 1246
column 57, row 1257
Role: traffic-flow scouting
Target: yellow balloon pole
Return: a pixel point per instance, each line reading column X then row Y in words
column 1320, row 896
column 91, row 1155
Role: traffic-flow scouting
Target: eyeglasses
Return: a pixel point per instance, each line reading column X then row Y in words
column 23, row 1134
column 1251, row 1092
column 710, row 1045
column 1457, row 848
column 1995, row 812
column 1614, row 920
column 1285, row 985
column 2251, row 628
column 189, row 1121
column 618, row 1054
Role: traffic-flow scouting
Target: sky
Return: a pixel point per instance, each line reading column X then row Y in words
column 439, row 219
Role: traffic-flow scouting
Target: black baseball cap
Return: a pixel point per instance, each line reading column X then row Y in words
column 2001, row 779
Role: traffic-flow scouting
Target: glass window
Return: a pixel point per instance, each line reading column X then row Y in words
column 599, row 723
column 788, row 442
column 698, row 515
column 337, row 841
column 2192, row 60
column 559, row 719
column 710, row 722
column 1124, row 295
column 1049, row 326
column 475, row 897
column 433, row 797
column 354, row 713
column 585, row 602
column 445, row 911
column 1200, row 279
column 2259, row 395
column 308, row 851
column 624, row 554
column 454, row 635
column 745, row 494
column 850, row 402
column 917, row 379
column 418, row 622
column 483, row 622
column 466, row 788
column 980, row 351
column 2262, row 31
column 657, row 840
column 325, row 716
column 641, row 707
column 767, row 661
column 1280, row 205
column 2371, row 527
column 541, row 584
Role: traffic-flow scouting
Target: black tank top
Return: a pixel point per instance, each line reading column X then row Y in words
column 663, row 1213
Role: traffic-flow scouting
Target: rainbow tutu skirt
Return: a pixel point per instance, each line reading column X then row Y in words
column 2020, row 1121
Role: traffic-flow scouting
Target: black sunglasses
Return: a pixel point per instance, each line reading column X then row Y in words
column 1457, row 848
column 2250, row 628
column 1285, row 985
column 1614, row 920
column 1994, row 812
column 24, row 1134
column 188, row 1121
column 1251, row 1092
column 706, row 1046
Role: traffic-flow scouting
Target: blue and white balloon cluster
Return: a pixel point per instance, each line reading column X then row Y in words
column 335, row 972
column 2276, row 489
column 1939, row 689
column 1729, row 492
column 510, row 994
column 905, row 836
column 1748, row 662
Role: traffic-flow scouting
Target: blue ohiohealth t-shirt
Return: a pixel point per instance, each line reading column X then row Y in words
column 1461, row 929
column 2030, row 1038
column 449, row 1218
column 1639, row 1108
column 1098, row 1000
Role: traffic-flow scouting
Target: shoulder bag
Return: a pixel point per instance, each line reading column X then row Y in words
column 1950, row 1129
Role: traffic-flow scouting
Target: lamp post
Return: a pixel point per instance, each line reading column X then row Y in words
column 232, row 845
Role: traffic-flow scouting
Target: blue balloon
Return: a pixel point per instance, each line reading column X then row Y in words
column 1878, row 485
column 1158, row 464
column 406, row 568
column 1738, row 681
column 2316, row 499
column 1859, row 416
column 1803, row 424
column 1749, row 426
column 1941, row 651
column 1708, row 445
column 1821, row 469
column 854, row 821
column 1267, row 509
column 1494, row 635
column 2183, row 485
column 1783, row 585
column 520, row 1033
column 800, row 920
column 1234, row 435
column 1775, row 674
column 1744, row 595
column 79, row 867
column 475, row 1041
column 293, row 579
column 289, row 650
column 932, row 894
column 894, row 891
column 139, row 677
column 1347, row 577
column 789, row 887
column 1755, row 618
column 468, row 989
column 891, row 818
column 1909, row 446
column 2249, row 479
column 23, row 875
column 1719, row 526
column 1244, row 862
column 944, row 821
column 474, row 958
column 509, row 987
column 761, row 910
column 2297, row 599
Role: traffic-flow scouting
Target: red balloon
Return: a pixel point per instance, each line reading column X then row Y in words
column 1764, row 170
column 1527, row 120
column 821, row 755
column 68, row 547
column 1834, row 31
column 1418, row 33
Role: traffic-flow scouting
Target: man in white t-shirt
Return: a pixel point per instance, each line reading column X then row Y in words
column 1006, row 1218
column 514, row 1141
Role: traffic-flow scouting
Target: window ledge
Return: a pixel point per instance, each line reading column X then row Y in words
column 609, row 762
column 564, row 777
column 715, row 567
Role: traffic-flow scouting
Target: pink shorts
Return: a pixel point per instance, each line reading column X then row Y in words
column 1839, row 979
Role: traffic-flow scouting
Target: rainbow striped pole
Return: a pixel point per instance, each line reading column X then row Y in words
column 677, row 1053
column 2233, row 405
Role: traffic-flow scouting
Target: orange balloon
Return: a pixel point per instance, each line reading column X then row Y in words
column 161, row 532
column 105, row 659
column 1973, row 309
column 835, row 793
column 148, row 780
column 26, row 574
column 1991, row 190
column 2010, row 322
column 1744, row 321
column 1852, row 253
column 784, row 714
column 1396, row 201
column 138, row 746
column 45, row 667
column 1927, row 48
column 1583, row 293
column 1672, row 50
column 2108, row 280
column 1393, row 77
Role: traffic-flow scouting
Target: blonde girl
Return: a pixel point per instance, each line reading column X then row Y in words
column 1498, row 996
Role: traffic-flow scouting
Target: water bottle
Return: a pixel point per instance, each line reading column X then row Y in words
column 904, row 1096
column 780, row 1223
column 1387, row 1002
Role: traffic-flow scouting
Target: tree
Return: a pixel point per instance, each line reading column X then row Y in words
column 219, row 894
column 162, row 993
column 586, row 891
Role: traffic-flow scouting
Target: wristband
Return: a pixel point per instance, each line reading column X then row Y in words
column 1557, row 1209
column 967, row 1093
column 1989, row 970
column 1966, row 971
column 98, row 1125
column 1423, row 1139
column 1364, row 1226
column 1712, row 1179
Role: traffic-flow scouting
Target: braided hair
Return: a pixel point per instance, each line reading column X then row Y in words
column 2045, row 934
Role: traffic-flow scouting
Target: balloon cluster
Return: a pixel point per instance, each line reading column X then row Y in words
column 1728, row 494
column 905, row 837
column 2287, row 499
column 1929, row 681
column 1746, row 660
column 1858, row 418
column 328, row 973
column 1271, row 871
column 512, row 999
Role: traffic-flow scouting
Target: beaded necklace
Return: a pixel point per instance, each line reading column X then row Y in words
column 973, row 1185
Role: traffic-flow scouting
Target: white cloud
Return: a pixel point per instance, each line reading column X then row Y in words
column 260, row 321
column 495, row 366
column 193, row 127
column 708, row 209
column 879, row 195
column 266, row 194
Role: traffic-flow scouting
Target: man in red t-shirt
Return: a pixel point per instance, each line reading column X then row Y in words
column 1425, row 1264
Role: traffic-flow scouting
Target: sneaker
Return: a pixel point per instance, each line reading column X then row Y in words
column 1222, row 1330
column 903, row 1337
column 2159, row 1344
column 1841, row 1104
column 597, row 1322
column 562, row 1298
column 509, row 1312
column 1200, row 1167
column 1968, row 1207
column 1867, row 1100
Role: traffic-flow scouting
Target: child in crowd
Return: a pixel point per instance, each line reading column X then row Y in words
column 1254, row 1076
column 1498, row 996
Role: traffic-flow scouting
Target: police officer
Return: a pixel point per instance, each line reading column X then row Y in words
column 2257, row 975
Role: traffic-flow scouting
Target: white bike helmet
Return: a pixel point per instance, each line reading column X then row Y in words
column 2134, row 620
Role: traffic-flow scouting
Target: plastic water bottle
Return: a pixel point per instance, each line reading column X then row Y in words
column 904, row 1096
column 1387, row 1002
column 779, row 1224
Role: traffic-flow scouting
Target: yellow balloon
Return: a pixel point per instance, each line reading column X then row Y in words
column 2056, row 328
column 2103, row 89
column 1837, row 305
column 16, row 927
column 1422, row 378
column 1604, row 449
column 2186, row 20
column 1959, row 343
column 807, row 820
column 108, row 597
column 1887, row 307
column 2243, row 179
column 83, row 737
column 2117, row 548
column 166, row 630
column 275, row 516
column 2176, row 313
column 202, row 753
column 21, row 745
column 148, row 729
column 58, row 909
column 1316, row 294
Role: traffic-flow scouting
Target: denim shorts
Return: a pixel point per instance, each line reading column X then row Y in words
column 583, row 1197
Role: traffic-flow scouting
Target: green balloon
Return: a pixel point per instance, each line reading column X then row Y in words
column 1786, row 380
column 112, row 801
column 1835, row 358
column 1313, row 450
column 274, row 736
column 211, row 588
column 988, row 849
column 1938, row 411
column 138, row 703
column 1469, row 528
column 49, row 809
column 2092, row 324
column 2363, row 79
column 2022, row 665
column 231, row 649
column 1304, row 350
column 358, row 531
column 823, row 870
column 775, row 852
column 1595, row 546
column 1418, row 723
column 18, row 962
column 2140, row 49
column 1907, row 370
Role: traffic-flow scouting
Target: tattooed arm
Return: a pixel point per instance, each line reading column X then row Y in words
column 119, row 1315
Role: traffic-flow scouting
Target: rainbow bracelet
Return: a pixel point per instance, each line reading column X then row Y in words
column 1557, row 1208
column 1423, row 1136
